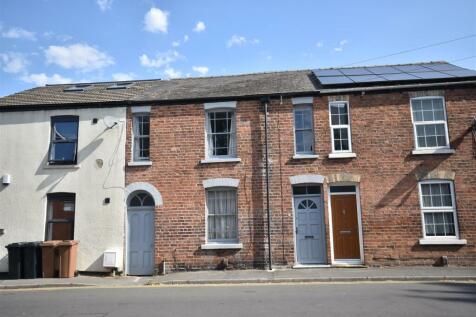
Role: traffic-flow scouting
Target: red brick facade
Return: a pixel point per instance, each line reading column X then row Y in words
column 383, row 140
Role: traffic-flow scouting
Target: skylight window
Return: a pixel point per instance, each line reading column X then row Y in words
column 121, row 85
column 78, row 87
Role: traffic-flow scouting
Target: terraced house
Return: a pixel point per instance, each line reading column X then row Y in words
column 351, row 166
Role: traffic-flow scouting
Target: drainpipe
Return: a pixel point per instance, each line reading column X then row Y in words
column 265, row 101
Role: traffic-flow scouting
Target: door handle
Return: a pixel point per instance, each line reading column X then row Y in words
column 308, row 237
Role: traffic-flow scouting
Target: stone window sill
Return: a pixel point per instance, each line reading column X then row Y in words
column 221, row 246
column 62, row 167
column 139, row 163
column 221, row 160
column 342, row 155
column 452, row 241
column 305, row 156
column 433, row 151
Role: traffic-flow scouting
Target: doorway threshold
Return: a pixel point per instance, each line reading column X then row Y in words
column 310, row 266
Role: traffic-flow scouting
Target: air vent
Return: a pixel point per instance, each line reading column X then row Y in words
column 122, row 85
column 78, row 87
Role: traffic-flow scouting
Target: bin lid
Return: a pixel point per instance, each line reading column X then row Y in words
column 32, row 244
column 50, row 243
column 68, row 242
column 15, row 245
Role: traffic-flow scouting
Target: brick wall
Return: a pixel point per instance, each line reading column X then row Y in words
column 382, row 138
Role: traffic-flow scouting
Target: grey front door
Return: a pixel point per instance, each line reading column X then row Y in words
column 310, row 236
column 140, row 241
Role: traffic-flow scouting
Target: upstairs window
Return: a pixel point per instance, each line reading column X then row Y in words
column 438, row 208
column 64, row 140
column 141, row 131
column 303, row 129
column 340, row 127
column 222, row 215
column 221, row 133
column 429, row 123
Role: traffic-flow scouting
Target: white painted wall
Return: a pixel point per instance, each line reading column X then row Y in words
column 24, row 142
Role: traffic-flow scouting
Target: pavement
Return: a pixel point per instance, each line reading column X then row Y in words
column 308, row 275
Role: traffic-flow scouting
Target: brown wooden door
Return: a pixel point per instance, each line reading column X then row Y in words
column 345, row 227
column 62, row 222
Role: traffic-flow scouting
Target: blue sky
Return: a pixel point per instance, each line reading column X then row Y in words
column 54, row 41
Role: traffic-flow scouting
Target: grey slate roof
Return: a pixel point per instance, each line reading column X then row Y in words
column 284, row 82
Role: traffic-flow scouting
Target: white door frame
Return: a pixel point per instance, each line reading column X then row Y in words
column 321, row 198
column 359, row 221
column 145, row 209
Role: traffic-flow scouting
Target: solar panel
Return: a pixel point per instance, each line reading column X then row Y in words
column 443, row 67
column 461, row 73
column 335, row 80
column 412, row 68
column 432, row 75
column 366, row 78
column 401, row 76
column 327, row 72
column 379, row 70
column 379, row 74
column 355, row 71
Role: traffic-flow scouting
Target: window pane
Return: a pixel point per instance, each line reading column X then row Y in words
column 66, row 130
column 343, row 189
column 308, row 141
column 221, row 206
column 65, row 151
column 307, row 119
column 436, row 195
column 298, row 119
column 299, row 141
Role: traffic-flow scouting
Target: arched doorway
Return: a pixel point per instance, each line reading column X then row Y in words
column 140, row 233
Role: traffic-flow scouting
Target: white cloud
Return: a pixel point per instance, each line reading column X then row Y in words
column 239, row 40
column 161, row 59
column 61, row 37
column 185, row 38
column 172, row 73
column 104, row 4
column 176, row 43
column 13, row 63
column 319, row 44
column 77, row 56
column 156, row 20
column 343, row 42
column 42, row 79
column 199, row 27
column 202, row 70
column 123, row 76
column 19, row 33
column 236, row 40
column 338, row 49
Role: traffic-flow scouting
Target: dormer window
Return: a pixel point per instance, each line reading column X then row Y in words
column 77, row 87
column 121, row 85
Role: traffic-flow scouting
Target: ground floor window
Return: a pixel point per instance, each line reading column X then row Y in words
column 437, row 202
column 60, row 217
column 222, row 215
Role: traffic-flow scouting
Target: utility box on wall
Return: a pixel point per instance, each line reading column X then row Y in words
column 110, row 259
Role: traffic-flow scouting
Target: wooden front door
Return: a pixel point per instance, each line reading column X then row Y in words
column 345, row 227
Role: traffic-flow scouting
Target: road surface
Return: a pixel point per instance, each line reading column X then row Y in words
column 333, row 299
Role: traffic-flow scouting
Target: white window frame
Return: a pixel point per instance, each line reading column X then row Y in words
column 340, row 126
column 307, row 153
column 135, row 137
column 442, row 209
column 208, row 154
column 445, row 122
column 222, row 243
